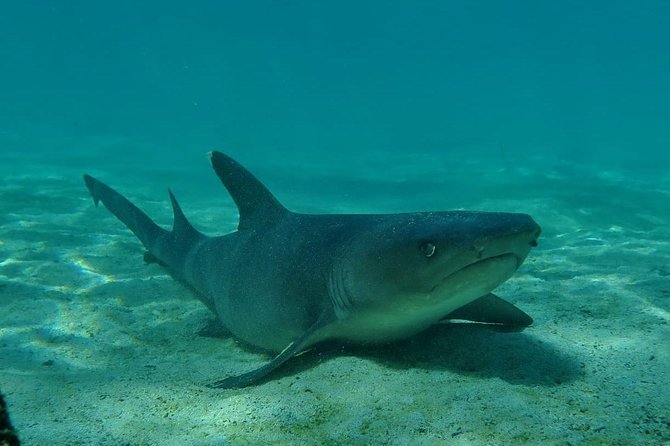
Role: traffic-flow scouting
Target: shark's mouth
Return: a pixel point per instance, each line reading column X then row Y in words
column 483, row 274
column 415, row 312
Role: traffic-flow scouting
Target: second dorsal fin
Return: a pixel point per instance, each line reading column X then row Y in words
column 257, row 206
column 181, row 227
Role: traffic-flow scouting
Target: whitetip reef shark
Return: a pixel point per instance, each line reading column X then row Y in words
column 285, row 281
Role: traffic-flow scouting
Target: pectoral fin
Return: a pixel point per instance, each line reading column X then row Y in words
column 492, row 309
column 251, row 377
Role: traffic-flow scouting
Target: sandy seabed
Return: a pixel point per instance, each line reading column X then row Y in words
column 97, row 348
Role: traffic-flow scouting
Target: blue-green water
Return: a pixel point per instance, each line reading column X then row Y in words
column 585, row 81
column 559, row 110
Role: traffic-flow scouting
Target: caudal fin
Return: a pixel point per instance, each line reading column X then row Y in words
column 137, row 221
column 168, row 248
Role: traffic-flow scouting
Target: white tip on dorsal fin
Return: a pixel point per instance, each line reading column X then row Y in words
column 257, row 206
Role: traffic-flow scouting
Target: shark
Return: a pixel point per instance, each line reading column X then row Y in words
column 284, row 281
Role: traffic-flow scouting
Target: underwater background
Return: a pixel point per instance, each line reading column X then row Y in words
column 555, row 109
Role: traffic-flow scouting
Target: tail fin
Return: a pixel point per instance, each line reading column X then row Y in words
column 137, row 221
column 165, row 246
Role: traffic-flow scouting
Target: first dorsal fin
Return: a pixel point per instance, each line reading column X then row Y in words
column 257, row 206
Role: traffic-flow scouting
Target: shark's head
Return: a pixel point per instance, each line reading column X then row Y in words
column 406, row 272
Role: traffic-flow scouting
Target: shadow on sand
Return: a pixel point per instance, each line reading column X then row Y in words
column 466, row 349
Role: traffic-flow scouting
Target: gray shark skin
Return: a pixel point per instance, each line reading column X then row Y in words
column 286, row 281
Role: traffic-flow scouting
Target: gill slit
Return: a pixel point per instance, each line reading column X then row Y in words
column 338, row 293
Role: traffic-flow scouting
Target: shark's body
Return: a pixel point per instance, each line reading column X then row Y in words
column 285, row 281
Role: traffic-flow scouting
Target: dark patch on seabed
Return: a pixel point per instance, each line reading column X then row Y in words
column 8, row 436
column 463, row 348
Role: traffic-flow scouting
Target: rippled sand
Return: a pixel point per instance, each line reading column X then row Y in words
column 98, row 348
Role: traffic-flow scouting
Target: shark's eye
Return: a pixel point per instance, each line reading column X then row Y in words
column 427, row 249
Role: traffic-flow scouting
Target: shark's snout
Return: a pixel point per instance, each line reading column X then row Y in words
column 526, row 229
column 536, row 236
column 504, row 233
column 534, row 231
